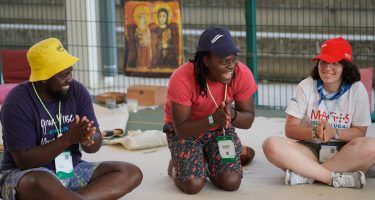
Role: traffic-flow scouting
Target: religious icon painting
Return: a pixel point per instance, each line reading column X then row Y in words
column 153, row 38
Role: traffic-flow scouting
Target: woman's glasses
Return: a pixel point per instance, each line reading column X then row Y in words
column 334, row 66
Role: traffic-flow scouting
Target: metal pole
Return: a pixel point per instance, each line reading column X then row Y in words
column 108, row 37
column 251, row 41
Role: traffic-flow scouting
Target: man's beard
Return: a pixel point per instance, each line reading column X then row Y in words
column 58, row 95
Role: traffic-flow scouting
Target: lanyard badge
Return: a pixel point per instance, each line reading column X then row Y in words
column 63, row 162
column 64, row 165
column 225, row 143
column 226, row 149
column 327, row 152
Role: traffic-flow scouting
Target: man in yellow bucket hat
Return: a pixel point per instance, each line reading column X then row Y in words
column 45, row 120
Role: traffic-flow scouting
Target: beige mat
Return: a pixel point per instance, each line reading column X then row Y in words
column 261, row 180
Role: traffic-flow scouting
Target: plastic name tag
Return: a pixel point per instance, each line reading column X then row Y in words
column 226, row 149
column 64, row 165
column 326, row 152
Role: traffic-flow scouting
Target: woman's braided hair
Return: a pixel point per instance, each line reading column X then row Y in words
column 200, row 71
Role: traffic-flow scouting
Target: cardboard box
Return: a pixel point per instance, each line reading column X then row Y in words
column 148, row 95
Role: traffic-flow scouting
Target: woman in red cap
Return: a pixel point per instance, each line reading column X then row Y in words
column 198, row 109
column 328, row 116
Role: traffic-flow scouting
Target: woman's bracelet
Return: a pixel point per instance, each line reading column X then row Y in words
column 337, row 134
column 211, row 120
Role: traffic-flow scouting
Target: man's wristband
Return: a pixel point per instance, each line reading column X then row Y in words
column 313, row 132
column 211, row 120
column 235, row 115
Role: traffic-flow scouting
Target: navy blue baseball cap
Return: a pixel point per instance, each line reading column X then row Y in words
column 218, row 41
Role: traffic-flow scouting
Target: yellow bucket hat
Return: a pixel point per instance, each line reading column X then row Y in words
column 47, row 58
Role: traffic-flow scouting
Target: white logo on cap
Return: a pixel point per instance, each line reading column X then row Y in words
column 348, row 56
column 216, row 38
column 323, row 45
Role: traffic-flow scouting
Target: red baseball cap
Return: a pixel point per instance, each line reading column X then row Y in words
column 334, row 50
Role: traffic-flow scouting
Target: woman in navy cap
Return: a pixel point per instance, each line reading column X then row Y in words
column 328, row 115
column 199, row 119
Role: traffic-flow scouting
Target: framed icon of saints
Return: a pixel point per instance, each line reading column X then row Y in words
column 153, row 38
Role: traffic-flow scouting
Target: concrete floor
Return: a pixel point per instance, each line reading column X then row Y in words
column 261, row 179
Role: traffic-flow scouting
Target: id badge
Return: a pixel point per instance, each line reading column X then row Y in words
column 64, row 165
column 326, row 152
column 226, row 149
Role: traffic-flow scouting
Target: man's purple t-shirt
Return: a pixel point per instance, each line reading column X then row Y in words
column 26, row 123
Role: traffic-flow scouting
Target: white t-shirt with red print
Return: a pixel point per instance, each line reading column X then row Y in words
column 352, row 108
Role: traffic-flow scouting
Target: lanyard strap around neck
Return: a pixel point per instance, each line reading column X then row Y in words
column 59, row 131
column 342, row 90
column 212, row 97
